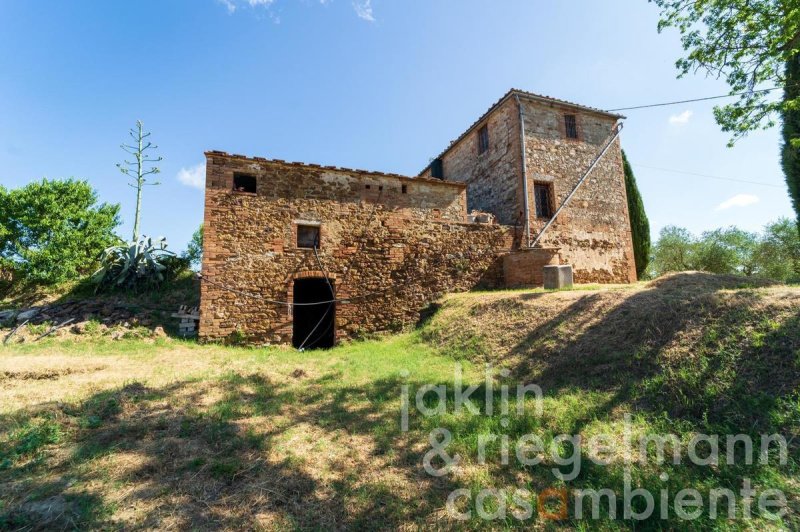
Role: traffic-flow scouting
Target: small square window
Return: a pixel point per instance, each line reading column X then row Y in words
column 404, row 189
column 244, row 183
column 483, row 139
column 571, row 126
column 543, row 195
column 308, row 236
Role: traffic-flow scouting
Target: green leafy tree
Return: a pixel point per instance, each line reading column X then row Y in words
column 777, row 255
column 753, row 45
column 746, row 43
column 194, row 250
column 774, row 254
column 674, row 251
column 730, row 250
column 640, row 225
column 790, row 151
column 138, row 169
column 54, row 231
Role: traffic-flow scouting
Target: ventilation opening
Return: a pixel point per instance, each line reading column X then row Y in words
column 312, row 326
column 244, row 183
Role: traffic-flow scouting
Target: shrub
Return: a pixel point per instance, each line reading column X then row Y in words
column 174, row 266
column 728, row 250
column 673, row 251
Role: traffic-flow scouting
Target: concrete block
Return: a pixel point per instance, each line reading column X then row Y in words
column 557, row 277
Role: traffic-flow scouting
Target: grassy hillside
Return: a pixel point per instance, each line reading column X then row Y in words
column 686, row 354
column 692, row 345
column 171, row 434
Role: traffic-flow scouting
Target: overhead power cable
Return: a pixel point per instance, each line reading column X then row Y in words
column 708, row 176
column 679, row 102
column 274, row 301
column 333, row 289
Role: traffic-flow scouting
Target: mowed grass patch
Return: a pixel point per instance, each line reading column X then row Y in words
column 194, row 436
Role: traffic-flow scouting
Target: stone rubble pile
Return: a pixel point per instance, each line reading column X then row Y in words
column 114, row 318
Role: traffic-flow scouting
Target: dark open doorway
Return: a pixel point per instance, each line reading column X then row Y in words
column 313, row 325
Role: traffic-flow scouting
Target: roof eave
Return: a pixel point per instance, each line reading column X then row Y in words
column 529, row 96
column 357, row 171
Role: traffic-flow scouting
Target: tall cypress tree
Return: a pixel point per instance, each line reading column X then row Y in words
column 790, row 152
column 640, row 226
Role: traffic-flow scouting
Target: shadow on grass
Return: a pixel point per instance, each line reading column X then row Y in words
column 681, row 347
column 206, row 455
column 691, row 353
column 244, row 451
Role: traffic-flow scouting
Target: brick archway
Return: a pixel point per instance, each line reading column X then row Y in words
column 308, row 274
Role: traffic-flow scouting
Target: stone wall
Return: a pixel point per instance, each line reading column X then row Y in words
column 493, row 178
column 389, row 249
column 593, row 231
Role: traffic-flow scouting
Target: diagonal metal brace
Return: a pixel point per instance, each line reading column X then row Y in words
column 614, row 136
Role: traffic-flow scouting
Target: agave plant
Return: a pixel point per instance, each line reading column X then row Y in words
column 132, row 265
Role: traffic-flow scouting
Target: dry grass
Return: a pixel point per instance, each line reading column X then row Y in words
column 174, row 436
column 604, row 337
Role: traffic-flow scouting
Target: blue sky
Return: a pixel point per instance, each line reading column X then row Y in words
column 380, row 84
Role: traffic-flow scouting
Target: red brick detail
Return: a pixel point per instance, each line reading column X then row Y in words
column 526, row 267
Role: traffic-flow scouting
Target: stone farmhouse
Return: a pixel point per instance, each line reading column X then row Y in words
column 310, row 255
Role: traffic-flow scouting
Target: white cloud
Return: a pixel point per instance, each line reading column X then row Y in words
column 682, row 118
column 233, row 5
column 194, row 177
column 739, row 200
column 229, row 5
column 364, row 10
